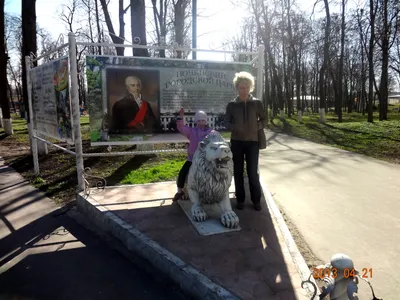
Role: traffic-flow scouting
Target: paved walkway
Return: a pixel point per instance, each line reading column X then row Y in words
column 44, row 254
column 340, row 202
column 253, row 263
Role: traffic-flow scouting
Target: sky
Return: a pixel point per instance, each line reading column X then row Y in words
column 218, row 20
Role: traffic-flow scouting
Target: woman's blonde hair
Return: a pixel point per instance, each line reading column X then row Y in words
column 245, row 77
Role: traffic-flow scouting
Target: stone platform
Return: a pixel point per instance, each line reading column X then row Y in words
column 252, row 263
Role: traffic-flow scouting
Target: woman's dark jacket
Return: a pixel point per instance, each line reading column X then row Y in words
column 244, row 118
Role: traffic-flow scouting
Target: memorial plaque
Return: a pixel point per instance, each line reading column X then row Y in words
column 133, row 100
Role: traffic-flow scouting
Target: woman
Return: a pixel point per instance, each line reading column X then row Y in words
column 244, row 116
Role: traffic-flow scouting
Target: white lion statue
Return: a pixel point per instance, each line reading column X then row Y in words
column 209, row 179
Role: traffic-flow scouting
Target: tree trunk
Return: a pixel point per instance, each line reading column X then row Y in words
column 267, row 99
column 89, row 16
column 179, row 22
column 121, row 13
column 296, row 61
column 29, row 46
column 4, row 103
column 277, row 83
column 163, row 26
column 341, row 63
column 275, row 78
column 80, row 89
column 383, row 91
column 316, row 85
column 298, row 86
column 303, row 88
column 114, row 37
column 336, row 92
column 371, row 63
column 158, row 23
column 286, row 95
column 11, row 95
column 350, row 99
column 98, row 25
column 363, row 79
column 17, row 85
column 273, row 103
column 20, row 92
column 322, row 92
column 346, row 94
column 138, row 26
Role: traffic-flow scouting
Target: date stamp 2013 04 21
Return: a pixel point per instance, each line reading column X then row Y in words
column 320, row 273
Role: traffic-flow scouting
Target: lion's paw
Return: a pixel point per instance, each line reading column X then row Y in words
column 230, row 219
column 198, row 213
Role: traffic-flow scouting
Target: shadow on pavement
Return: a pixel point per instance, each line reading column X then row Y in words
column 250, row 263
column 52, row 257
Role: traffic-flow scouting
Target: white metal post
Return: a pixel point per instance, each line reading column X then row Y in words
column 31, row 130
column 74, row 95
column 260, row 72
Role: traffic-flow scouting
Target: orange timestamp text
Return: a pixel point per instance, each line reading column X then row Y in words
column 320, row 273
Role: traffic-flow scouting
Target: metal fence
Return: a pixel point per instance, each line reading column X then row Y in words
column 167, row 120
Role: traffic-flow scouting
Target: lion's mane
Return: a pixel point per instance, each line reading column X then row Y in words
column 204, row 176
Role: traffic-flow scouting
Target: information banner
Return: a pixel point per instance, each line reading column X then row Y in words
column 50, row 100
column 134, row 100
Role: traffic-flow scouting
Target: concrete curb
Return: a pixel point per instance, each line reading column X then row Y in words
column 190, row 280
column 297, row 258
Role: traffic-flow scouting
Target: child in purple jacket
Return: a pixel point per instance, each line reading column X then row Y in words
column 195, row 135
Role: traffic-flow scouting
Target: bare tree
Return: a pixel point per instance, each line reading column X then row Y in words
column 322, row 90
column 88, row 5
column 116, row 39
column 264, row 27
column 245, row 40
column 372, row 14
column 69, row 14
column 181, row 11
column 395, row 55
column 364, row 50
column 138, row 26
column 160, row 21
column 295, row 59
column 171, row 26
column 13, row 40
column 46, row 43
column 286, row 55
column 387, row 29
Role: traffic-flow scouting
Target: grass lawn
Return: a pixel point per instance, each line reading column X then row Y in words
column 58, row 172
column 20, row 131
column 380, row 139
column 155, row 172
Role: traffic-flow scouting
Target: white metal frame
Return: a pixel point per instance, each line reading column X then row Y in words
column 73, row 86
column 182, row 59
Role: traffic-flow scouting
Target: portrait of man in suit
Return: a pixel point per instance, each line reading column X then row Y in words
column 132, row 113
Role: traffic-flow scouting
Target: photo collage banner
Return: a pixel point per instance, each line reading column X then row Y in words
column 50, row 100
